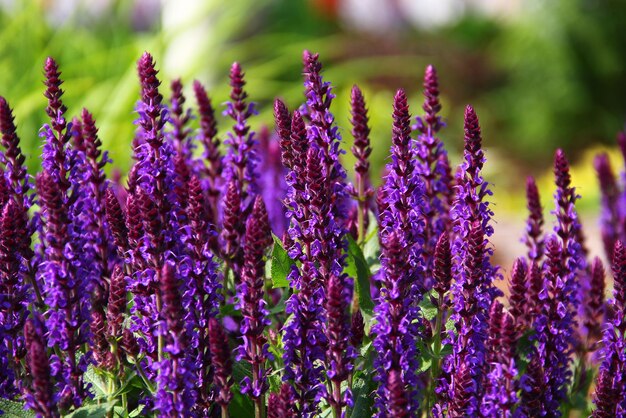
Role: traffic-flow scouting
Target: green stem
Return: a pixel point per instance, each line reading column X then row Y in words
column 224, row 411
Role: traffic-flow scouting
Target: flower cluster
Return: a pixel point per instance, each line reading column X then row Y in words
column 255, row 278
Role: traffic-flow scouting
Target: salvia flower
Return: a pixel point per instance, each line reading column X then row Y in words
column 175, row 394
column 534, row 224
column 222, row 363
column 610, row 222
column 362, row 188
column 430, row 151
column 240, row 161
column 473, row 291
column 39, row 396
column 518, row 302
column 251, row 303
column 212, row 164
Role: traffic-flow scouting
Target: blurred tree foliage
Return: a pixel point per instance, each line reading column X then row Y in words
column 563, row 76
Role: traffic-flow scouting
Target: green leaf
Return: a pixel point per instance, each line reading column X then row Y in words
column 241, row 369
column 98, row 386
column 357, row 267
column 92, row 411
column 12, row 409
column 280, row 264
column 362, row 388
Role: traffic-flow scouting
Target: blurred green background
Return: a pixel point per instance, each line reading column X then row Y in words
column 542, row 74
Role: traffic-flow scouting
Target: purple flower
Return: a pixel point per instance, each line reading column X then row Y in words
column 67, row 319
column 39, row 395
column 610, row 217
column 554, row 328
column 340, row 353
column 501, row 386
column 610, row 395
column 591, row 310
column 272, row 180
column 15, row 295
column 431, row 157
column 534, row 224
column 222, row 363
column 240, row 161
column 362, row 189
column 518, row 296
column 254, row 349
column 176, row 387
column 401, row 279
column 473, row 291
column 212, row 164
column 395, row 329
column 281, row 405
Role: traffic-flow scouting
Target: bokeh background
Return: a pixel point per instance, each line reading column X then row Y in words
column 541, row 74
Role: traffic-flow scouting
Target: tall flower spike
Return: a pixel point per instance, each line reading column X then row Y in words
column 473, row 291
column 283, row 129
column 518, row 294
column 13, row 157
column 534, row 224
column 232, row 226
column 68, row 317
column 39, row 396
column 554, row 327
column 151, row 101
column 395, row 329
column 398, row 400
column 429, row 151
column 56, row 135
column 593, row 305
column 340, row 353
column 361, row 149
column 222, row 364
column 610, row 224
column 115, row 220
column 240, row 161
column 442, row 266
column 281, row 405
column 175, row 394
column 211, row 144
column 610, row 394
column 252, row 305
column 14, row 297
column 568, row 227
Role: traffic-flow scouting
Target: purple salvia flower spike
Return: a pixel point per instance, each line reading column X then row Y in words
column 442, row 268
column 534, row 224
column 610, row 395
column 222, row 364
column 57, row 134
column 15, row 295
column 554, row 329
column 39, row 396
column 251, row 290
column 357, row 329
column 241, row 160
column 402, row 281
column 429, row 152
column 610, row 224
column 281, row 405
column 340, row 354
column 568, row 227
column 518, row 295
column 231, row 235
column 272, row 184
column 115, row 216
column 473, row 291
column 176, row 393
column 593, row 305
column 212, row 164
column 362, row 189
column 395, row 330
column 501, row 385
column 67, row 318
column 397, row 395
